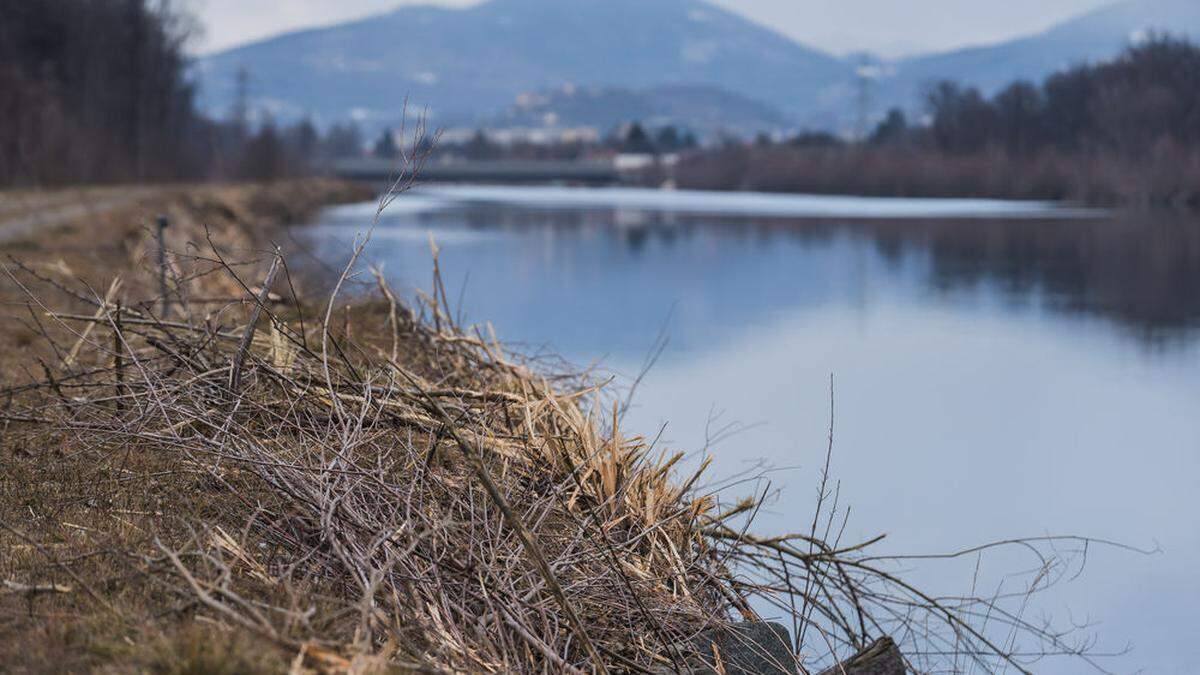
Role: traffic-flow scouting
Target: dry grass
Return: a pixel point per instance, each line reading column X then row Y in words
column 258, row 482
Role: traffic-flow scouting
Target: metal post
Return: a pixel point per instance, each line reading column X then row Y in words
column 162, row 265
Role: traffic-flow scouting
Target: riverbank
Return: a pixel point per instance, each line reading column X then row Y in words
column 248, row 476
column 341, row 500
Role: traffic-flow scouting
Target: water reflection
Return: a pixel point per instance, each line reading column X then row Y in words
column 1140, row 273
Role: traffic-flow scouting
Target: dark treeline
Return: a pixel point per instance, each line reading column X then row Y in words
column 92, row 89
column 1120, row 132
column 96, row 91
column 1147, row 98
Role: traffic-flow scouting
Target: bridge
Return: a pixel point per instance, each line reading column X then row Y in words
column 485, row 171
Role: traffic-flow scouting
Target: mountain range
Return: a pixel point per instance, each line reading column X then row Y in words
column 1095, row 36
column 682, row 60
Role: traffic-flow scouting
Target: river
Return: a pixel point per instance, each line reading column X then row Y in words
column 999, row 369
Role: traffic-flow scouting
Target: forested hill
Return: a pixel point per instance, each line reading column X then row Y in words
column 92, row 91
column 1097, row 36
column 98, row 91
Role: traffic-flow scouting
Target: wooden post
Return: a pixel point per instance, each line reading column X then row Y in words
column 162, row 265
column 235, row 374
column 119, row 357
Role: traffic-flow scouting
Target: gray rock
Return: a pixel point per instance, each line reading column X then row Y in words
column 763, row 648
column 881, row 657
column 749, row 648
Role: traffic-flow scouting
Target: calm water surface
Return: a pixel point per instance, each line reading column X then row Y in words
column 1000, row 369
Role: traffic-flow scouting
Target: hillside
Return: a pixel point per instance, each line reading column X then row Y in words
column 465, row 64
column 1094, row 36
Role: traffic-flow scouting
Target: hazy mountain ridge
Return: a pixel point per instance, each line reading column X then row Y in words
column 470, row 65
column 1097, row 35
column 466, row 64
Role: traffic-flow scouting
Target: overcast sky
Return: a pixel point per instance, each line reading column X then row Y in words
column 889, row 27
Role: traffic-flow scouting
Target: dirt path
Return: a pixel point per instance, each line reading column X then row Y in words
column 23, row 213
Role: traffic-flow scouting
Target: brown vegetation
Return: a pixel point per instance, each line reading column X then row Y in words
column 1167, row 175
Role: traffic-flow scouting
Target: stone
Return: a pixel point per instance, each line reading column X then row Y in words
column 748, row 648
column 881, row 657
column 764, row 648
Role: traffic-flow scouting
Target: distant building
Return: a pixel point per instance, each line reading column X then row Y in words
column 629, row 161
column 533, row 135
